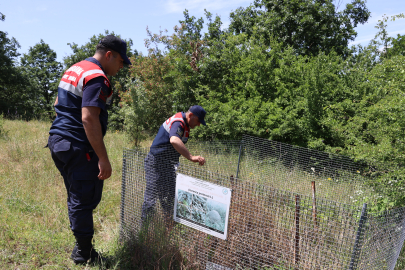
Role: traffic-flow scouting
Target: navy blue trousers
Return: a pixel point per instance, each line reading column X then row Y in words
column 78, row 165
column 160, row 178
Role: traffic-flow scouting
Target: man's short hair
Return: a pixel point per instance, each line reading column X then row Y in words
column 114, row 44
column 100, row 48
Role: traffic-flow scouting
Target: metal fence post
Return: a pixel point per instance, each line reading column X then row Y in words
column 314, row 212
column 123, row 186
column 399, row 248
column 297, row 232
column 358, row 242
column 240, row 152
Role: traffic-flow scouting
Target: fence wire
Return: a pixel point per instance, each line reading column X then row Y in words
column 287, row 167
column 321, row 222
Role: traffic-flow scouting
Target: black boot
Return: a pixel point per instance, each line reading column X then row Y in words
column 84, row 251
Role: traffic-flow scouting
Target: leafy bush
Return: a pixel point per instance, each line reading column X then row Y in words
column 372, row 129
column 135, row 109
column 250, row 83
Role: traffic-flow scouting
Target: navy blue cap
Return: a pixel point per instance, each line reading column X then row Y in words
column 116, row 44
column 199, row 112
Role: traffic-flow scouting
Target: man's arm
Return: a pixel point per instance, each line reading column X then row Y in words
column 92, row 127
column 181, row 148
column 56, row 103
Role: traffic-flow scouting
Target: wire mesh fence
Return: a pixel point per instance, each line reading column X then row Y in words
column 291, row 208
column 287, row 167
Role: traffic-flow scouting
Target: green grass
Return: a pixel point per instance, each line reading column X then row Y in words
column 343, row 187
column 34, row 226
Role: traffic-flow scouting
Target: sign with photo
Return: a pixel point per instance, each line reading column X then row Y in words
column 202, row 205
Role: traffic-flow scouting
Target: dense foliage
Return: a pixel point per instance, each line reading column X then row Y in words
column 282, row 70
column 272, row 84
column 43, row 72
column 13, row 94
column 398, row 46
column 308, row 26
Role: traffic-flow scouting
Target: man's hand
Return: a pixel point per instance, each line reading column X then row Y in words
column 92, row 127
column 181, row 148
column 198, row 159
column 105, row 169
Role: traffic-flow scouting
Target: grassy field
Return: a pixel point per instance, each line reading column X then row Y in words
column 34, row 226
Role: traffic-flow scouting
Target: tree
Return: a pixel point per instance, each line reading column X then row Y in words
column 135, row 109
column 13, row 94
column 253, row 83
column 118, row 81
column 382, row 42
column 307, row 26
column 8, row 57
column 371, row 125
column 44, row 72
column 168, row 75
column 398, row 46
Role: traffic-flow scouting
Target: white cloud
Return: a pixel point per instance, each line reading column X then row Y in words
column 178, row 6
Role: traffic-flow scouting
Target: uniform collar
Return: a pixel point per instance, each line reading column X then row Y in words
column 95, row 61
column 184, row 118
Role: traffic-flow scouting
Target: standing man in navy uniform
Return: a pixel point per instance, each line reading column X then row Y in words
column 76, row 138
column 166, row 149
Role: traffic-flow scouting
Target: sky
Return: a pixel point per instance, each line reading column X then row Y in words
column 59, row 23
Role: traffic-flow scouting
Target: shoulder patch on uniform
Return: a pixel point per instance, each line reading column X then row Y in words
column 180, row 131
column 106, row 83
column 102, row 95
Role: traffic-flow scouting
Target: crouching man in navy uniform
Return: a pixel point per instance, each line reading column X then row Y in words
column 76, row 138
column 164, row 155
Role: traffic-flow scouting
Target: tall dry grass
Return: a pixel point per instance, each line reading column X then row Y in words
column 34, row 226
